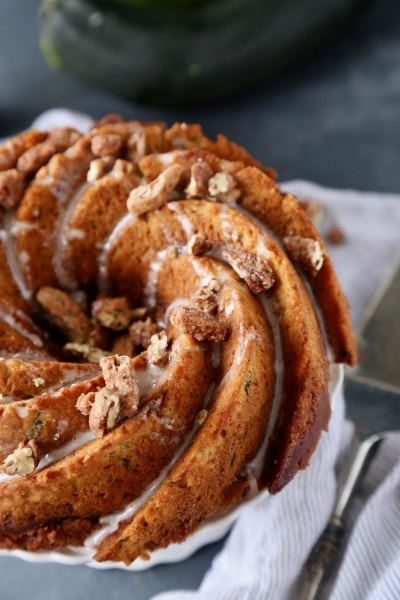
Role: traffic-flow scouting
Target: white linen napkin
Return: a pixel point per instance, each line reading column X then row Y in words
column 269, row 543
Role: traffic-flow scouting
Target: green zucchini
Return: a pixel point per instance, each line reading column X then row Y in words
column 185, row 52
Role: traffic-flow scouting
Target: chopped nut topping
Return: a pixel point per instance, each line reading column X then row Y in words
column 120, row 377
column 157, row 350
column 38, row 381
column 63, row 137
column 65, row 314
column 105, row 144
column 85, row 403
column 119, row 398
column 153, row 195
column 253, row 269
column 198, row 245
column 23, row 460
column 306, row 251
column 122, row 167
column 212, row 288
column 137, row 145
column 34, row 158
column 85, row 351
column 98, row 168
column 200, row 173
column 113, row 313
column 104, row 412
column 206, row 299
column 140, row 332
column 222, row 187
column 12, row 185
column 199, row 324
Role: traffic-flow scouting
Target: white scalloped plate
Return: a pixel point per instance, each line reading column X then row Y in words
column 212, row 530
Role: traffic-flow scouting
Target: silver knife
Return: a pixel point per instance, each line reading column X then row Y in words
column 372, row 392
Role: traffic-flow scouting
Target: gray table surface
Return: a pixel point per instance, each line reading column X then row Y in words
column 334, row 119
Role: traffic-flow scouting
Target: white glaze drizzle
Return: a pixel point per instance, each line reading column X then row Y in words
column 103, row 257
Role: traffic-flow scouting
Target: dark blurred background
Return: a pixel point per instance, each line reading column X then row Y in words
column 332, row 118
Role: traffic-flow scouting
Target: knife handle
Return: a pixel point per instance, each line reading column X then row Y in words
column 322, row 562
column 320, row 567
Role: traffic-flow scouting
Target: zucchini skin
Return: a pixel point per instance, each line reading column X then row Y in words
column 182, row 56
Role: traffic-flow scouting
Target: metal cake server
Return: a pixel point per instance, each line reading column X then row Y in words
column 372, row 393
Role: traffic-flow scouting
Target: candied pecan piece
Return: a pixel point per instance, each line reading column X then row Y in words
column 306, row 251
column 199, row 324
column 105, row 144
column 140, row 332
column 119, row 398
column 200, row 174
column 64, row 313
column 99, row 167
column 136, row 145
column 63, row 137
column 12, row 185
column 153, row 195
column 104, row 412
column 157, row 351
column 198, row 245
column 84, row 351
column 122, row 167
column 23, row 460
column 38, row 155
column 120, row 378
column 255, row 270
column 222, row 187
column 206, row 299
column 113, row 313
column 34, row 158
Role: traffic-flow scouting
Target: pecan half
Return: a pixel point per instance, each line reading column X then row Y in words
column 23, row 460
column 200, row 173
column 199, row 324
column 153, row 195
column 254, row 270
column 306, row 251
column 105, row 144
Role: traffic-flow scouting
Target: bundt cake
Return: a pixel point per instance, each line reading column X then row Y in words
column 168, row 317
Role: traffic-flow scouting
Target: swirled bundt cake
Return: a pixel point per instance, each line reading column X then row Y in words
column 168, row 317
